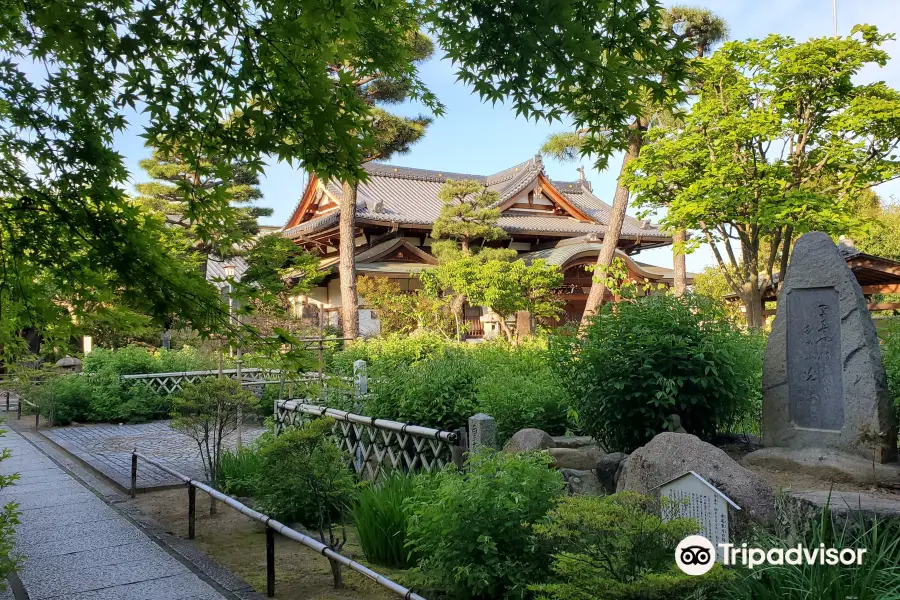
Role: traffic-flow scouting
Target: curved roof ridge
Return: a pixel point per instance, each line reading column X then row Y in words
column 398, row 172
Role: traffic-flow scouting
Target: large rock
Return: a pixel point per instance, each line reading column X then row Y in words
column 670, row 455
column 823, row 381
column 608, row 468
column 582, row 483
column 529, row 439
column 582, row 460
column 578, row 442
column 826, row 464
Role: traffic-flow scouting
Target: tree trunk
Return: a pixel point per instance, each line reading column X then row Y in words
column 752, row 299
column 679, row 262
column 347, row 264
column 337, row 575
column 457, row 306
column 614, row 228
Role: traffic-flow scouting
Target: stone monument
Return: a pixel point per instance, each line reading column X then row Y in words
column 824, row 385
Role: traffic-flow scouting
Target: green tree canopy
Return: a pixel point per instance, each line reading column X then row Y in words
column 779, row 142
column 230, row 227
column 73, row 75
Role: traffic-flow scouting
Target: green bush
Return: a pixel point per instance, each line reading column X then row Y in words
column 640, row 362
column 471, row 530
column 890, row 356
column 381, row 517
column 67, row 397
column 435, row 383
column 385, row 354
column 303, row 476
column 132, row 360
column 436, row 392
column 620, row 545
column 877, row 578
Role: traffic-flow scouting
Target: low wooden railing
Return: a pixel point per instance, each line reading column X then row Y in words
column 272, row 526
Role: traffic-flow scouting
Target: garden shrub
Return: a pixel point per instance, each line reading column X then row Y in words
column 890, row 356
column 442, row 384
column 640, row 362
column 471, row 531
column 620, row 545
column 68, row 397
column 519, row 389
column 381, row 516
column 385, row 354
column 303, row 476
column 437, row 392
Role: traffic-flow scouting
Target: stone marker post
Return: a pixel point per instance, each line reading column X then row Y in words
column 824, row 385
column 360, row 378
column 482, row 432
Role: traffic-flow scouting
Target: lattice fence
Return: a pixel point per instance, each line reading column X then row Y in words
column 374, row 445
column 169, row 383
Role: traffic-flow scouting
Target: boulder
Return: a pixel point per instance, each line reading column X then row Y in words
column 582, row 483
column 670, row 455
column 578, row 442
column 529, row 439
column 827, row 464
column 608, row 469
column 582, row 460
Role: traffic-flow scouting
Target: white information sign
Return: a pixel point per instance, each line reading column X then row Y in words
column 695, row 498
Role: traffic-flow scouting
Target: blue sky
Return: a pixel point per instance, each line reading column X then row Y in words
column 480, row 138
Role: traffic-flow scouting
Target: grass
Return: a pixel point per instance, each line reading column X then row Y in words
column 878, row 578
column 381, row 520
column 238, row 471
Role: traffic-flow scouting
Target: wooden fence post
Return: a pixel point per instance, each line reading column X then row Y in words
column 270, row 562
column 19, row 409
column 458, row 451
column 133, row 474
column 192, row 511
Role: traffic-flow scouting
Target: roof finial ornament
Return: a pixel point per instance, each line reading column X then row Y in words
column 580, row 173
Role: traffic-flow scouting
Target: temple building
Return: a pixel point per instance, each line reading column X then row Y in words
column 560, row 221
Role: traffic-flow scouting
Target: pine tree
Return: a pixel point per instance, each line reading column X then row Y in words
column 469, row 213
column 392, row 135
column 218, row 232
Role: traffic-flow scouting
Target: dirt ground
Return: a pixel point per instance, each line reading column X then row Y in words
column 239, row 543
column 789, row 480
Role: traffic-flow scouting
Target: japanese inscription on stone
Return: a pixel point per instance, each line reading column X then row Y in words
column 815, row 384
column 693, row 498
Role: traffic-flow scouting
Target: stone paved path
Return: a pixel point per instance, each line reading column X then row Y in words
column 107, row 448
column 78, row 547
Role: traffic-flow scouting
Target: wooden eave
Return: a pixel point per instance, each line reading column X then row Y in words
column 557, row 197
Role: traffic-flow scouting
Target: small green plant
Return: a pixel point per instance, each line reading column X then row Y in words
column 890, row 356
column 239, row 471
column 207, row 412
column 617, row 548
column 9, row 518
column 305, row 478
column 641, row 361
column 471, row 531
column 877, row 578
column 381, row 517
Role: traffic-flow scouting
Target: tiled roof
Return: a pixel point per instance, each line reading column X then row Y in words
column 563, row 253
column 410, row 196
column 215, row 267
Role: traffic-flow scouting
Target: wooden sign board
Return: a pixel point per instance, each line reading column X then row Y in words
column 692, row 497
